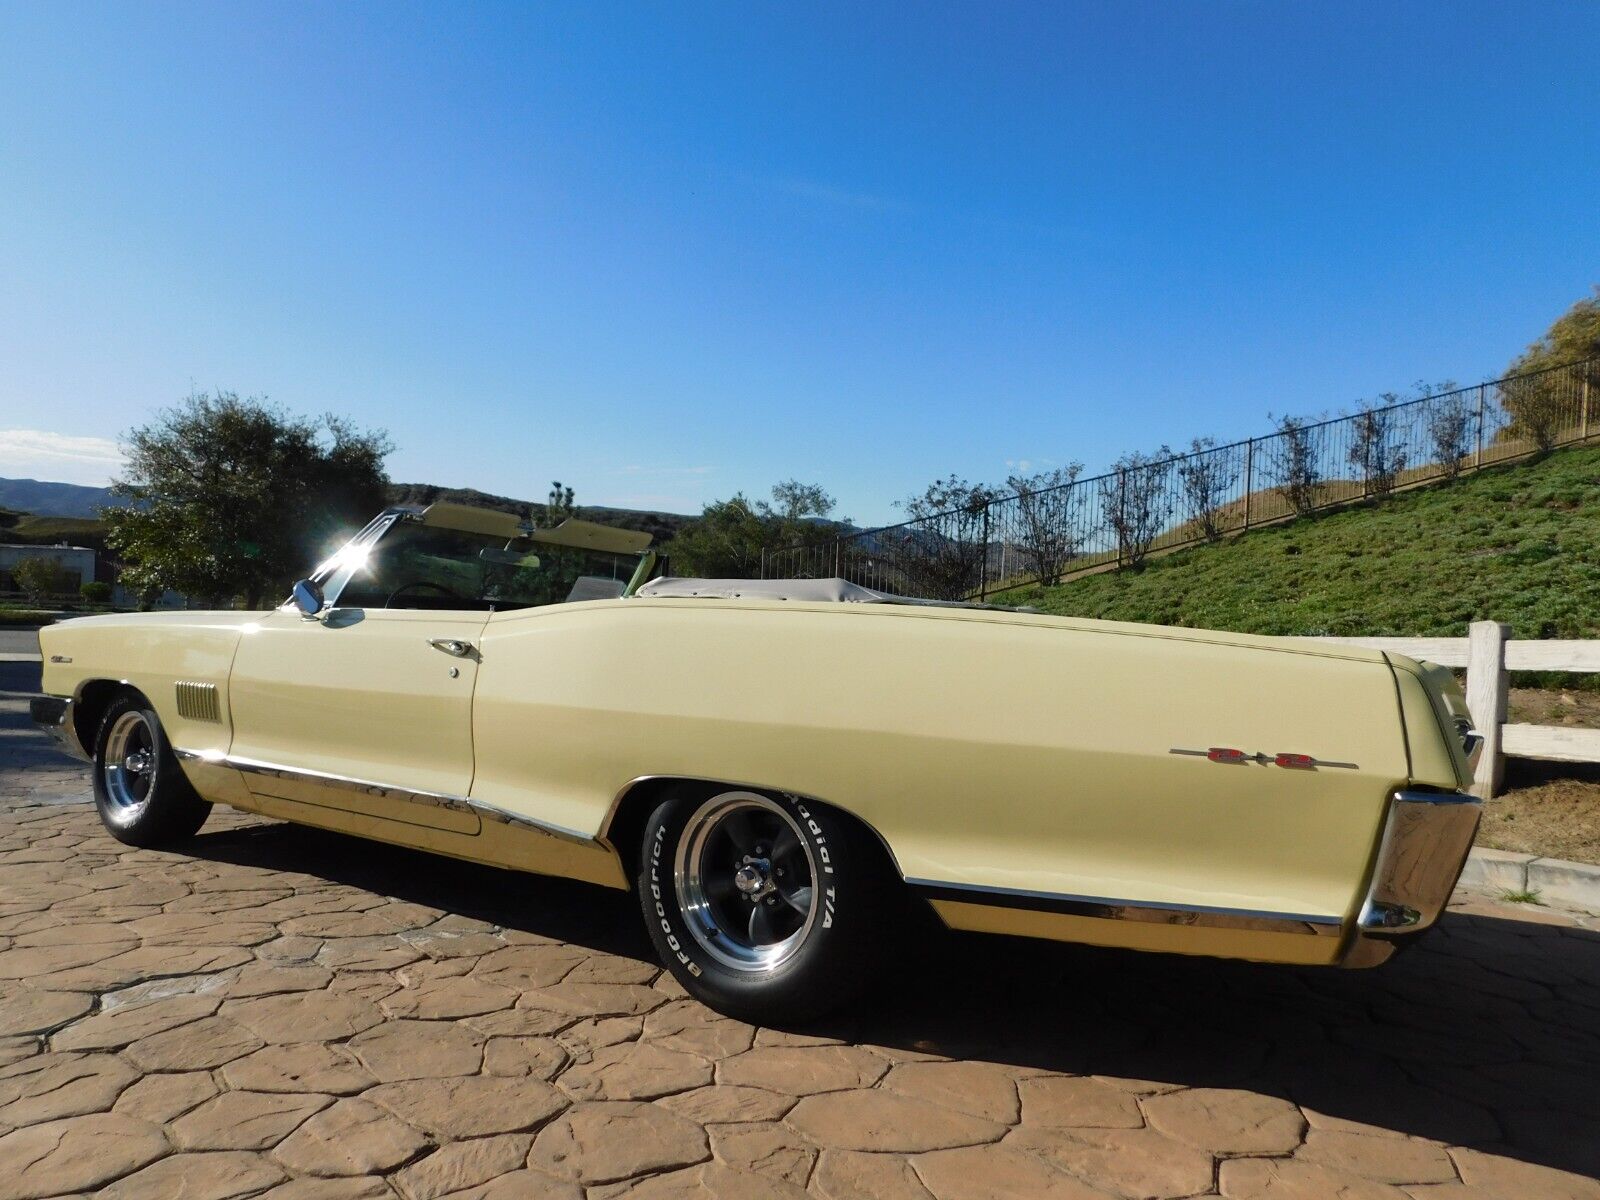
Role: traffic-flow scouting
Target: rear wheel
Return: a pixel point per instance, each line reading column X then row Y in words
column 763, row 906
column 140, row 791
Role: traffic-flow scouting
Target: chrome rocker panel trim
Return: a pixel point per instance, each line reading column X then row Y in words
column 1107, row 909
column 1426, row 839
column 388, row 791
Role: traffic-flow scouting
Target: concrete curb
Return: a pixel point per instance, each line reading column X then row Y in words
column 1570, row 884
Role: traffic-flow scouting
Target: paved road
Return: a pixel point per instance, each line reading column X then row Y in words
column 296, row 1014
column 19, row 641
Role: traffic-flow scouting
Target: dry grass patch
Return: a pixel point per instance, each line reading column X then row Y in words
column 1550, row 809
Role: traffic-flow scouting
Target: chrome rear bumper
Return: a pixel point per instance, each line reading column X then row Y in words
column 1425, row 843
column 53, row 714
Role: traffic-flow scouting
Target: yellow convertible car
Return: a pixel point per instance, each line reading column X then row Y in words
column 781, row 769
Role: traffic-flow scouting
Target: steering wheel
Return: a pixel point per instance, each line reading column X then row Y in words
column 423, row 583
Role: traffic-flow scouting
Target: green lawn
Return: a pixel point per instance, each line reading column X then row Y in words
column 1519, row 544
column 76, row 531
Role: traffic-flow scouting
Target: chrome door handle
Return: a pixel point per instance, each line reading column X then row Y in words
column 452, row 646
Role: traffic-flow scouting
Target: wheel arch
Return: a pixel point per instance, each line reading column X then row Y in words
column 623, row 828
column 89, row 706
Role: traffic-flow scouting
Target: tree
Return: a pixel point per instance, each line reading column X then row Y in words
column 1136, row 501
column 730, row 538
column 1206, row 477
column 1450, row 419
column 725, row 543
column 796, row 501
column 234, row 497
column 1539, row 407
column 1046, row 506
column 559, row 505
column 1295, row 462
column 40, row 577
column 1374, row 449
column 942, row 552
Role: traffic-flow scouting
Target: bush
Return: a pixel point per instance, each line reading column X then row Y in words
column 42, row 577
column 27, row 618
column 95, row 592
column 1376, row 451
column 1294, row 459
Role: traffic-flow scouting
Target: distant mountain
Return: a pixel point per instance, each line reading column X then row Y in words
column 72, row 500
column 53, row 499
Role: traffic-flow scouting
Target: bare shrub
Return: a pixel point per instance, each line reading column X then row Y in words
column 1137, row 502
column 1294, row 462
column 1450, row 429
column 1206, row 478
column 1048, row 536
column 1376, row 451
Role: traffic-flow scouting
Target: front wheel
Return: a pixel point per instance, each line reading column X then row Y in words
column 140, row 791
column 764, row 907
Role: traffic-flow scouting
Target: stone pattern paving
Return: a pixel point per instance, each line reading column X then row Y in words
column 294, row 1014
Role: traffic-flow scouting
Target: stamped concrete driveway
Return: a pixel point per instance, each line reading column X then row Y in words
column 290, row 1013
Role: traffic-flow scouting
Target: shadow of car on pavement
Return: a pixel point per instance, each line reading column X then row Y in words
column 1485, row 1035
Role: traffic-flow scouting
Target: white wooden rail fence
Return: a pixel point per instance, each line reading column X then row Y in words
column 1488, row 655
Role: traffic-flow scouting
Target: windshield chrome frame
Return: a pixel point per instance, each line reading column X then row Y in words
column 334, row 573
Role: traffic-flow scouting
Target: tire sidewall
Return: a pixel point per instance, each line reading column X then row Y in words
column 173, row 811
column 116, row 819
column 821, row 973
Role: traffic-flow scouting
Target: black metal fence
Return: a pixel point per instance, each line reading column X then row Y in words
column 1152, row 505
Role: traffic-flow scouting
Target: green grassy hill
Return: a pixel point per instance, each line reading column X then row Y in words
column 1519, row 544
column 48, row 531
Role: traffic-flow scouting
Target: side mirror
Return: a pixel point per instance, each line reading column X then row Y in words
column 307, row 598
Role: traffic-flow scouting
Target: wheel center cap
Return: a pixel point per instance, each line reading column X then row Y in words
column 750, row 879
column 138, row 762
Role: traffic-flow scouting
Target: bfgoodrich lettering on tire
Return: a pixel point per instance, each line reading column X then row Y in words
column 763, row 905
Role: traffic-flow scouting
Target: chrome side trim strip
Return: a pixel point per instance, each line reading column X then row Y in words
column 388, row 791
column 1107, row 909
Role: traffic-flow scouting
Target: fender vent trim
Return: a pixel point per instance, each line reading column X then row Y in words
column 198, row 701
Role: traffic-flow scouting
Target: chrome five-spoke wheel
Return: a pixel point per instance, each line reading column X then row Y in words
column 129, row 765
column 140, row 790
column 745, row 878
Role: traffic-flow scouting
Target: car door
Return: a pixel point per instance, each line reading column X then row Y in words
column 367, row 706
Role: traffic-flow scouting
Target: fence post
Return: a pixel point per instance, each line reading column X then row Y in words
column 983, row 570
column 1249, row 477
column 1477, row 457
column 1488, row 686
column 763, row 562
column 838, row 553
column 1122, row 513
column 1583, row 406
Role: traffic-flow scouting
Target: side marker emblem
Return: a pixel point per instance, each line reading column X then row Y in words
column 1292, row 762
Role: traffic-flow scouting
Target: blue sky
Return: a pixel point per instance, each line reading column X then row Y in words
column 668, row 252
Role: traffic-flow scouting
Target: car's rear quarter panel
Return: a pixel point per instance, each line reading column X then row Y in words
column 1014, row 752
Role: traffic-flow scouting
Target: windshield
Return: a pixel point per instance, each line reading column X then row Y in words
column 412, row 565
